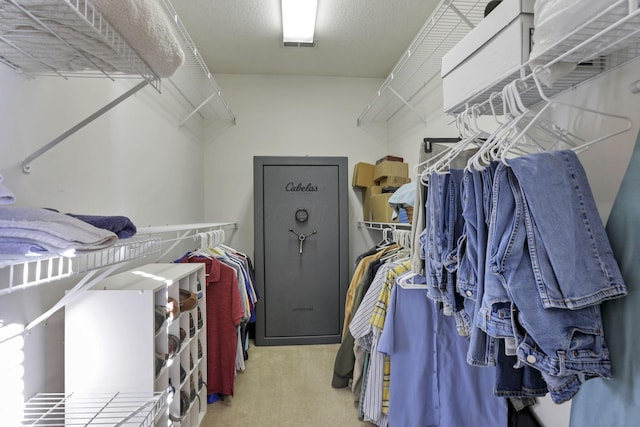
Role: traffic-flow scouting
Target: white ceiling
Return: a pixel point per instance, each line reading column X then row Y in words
column 354, row 38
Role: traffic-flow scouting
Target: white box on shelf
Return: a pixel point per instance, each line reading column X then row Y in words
column 497, row 46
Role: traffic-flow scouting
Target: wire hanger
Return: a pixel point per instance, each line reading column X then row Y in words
column 471, row 134
column 386, row 241
column 579, row 144
column 203, row 250
column 484, row 155
column 406, row 281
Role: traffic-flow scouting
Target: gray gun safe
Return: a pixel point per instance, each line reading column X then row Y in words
column 301, row 238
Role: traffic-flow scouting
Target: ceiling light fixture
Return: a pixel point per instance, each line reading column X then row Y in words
column 298, row 22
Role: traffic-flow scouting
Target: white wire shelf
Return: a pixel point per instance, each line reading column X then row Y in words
column 385, row 225
column 27, row 273
column 193, row 80
column 94, row 409
column 607, row 41
column 149, row 241
column 70, row 38
column 67, row 38
column 450, row 21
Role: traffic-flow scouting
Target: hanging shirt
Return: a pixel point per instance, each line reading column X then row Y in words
column 366, row 332
column 378, row 320
column 224, row 314
column 616, row 402
column 432, row 385
column 355, row 280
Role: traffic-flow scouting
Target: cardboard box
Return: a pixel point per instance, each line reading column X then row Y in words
column 373, row 190
column 391, row 159
column 372, row 204
column 494, row 49
column 392, row 181
column 363, row 175
column 376, row 208
column 389, row 168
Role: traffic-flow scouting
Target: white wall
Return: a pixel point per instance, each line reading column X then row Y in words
column 286, row 116
column 133, row 161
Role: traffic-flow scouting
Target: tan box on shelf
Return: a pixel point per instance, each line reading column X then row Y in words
column 391, row 159
column 373, row 190
column 392, row 181
column 363, row 175
column 389, row 168
column 376, row 207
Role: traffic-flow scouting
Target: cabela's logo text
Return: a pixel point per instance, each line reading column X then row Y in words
column 292, row 186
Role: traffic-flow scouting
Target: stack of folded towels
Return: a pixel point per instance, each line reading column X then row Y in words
column 26, row 231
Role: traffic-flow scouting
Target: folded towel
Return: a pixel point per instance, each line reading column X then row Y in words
column 57, row 233
column 6, row 196
column 9, row 247
column 145, row 26
column 120, row 225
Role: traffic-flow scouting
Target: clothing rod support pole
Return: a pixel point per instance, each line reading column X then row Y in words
column 461, row 15
column 408, row 105
column 84, row 284
column 26, row 164
column 197, row 109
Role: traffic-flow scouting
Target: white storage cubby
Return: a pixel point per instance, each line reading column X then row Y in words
column 112, row 342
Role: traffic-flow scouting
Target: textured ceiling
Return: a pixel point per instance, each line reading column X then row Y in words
column 354, row 38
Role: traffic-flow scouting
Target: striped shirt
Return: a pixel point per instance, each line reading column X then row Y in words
column 366, row 327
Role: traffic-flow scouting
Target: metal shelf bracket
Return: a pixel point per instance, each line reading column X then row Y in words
column 26, row 164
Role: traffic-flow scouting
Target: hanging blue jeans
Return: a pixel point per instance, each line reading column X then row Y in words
column 453, row 228
column 484, row 350
column 571, row 254
column 475, row 198
column 567, row 346
column 433, row 238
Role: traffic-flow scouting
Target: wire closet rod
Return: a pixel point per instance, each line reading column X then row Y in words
column 385, row 225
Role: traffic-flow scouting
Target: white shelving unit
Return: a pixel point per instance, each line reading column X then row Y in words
column 96, row 265
column 40, row 34
column 193, row 80
column 450, row 21
column 607, row 41
column 114, row 344
column 397, row 232
column 148, row 241
column 385, row 225
column 121, row 409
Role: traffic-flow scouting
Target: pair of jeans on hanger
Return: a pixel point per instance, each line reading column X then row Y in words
column 484, row 349
column 548, row 253
column 444, row 213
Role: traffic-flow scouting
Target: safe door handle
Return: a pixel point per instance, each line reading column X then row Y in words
column 302, row 237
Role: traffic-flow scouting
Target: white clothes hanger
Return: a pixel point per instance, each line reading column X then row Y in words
column 203, row 250
column 385, row 239
column 579, row 144
column 473, row 135
column 483, row 156
column 402, row 237
column 404, row 281
column 518, row 116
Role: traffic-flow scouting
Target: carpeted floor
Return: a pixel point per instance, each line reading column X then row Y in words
column 286, row 386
